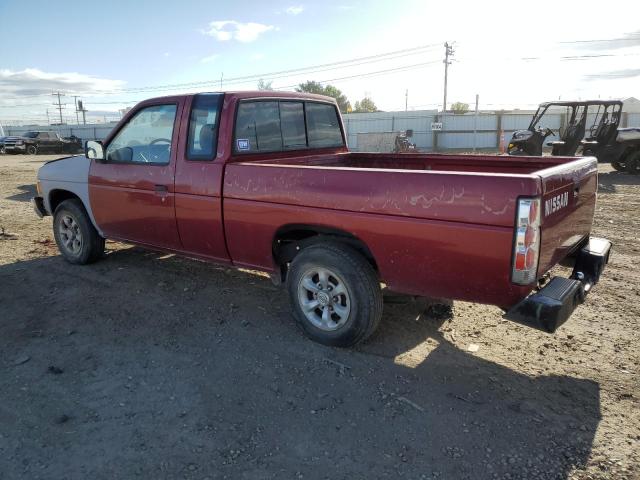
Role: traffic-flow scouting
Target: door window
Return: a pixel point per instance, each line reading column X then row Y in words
column 146, row 138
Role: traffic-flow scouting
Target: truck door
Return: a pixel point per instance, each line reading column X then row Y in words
column 132, row 190
column 44, row 142
column 198, row 186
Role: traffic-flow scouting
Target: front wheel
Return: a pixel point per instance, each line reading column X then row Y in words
column 335, row 294
column 32, row 150
column 76, row 237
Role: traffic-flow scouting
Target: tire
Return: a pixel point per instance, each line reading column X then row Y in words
column 76, row 237
column 320, row 271
column 32, row 150
column 2, row 150
column 619, row 166
column 632, row 163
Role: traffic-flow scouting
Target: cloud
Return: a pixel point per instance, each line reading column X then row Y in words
column 210, row 58
column 616, row 74
column 627, row 40
column 225, row 30
column 31, row 82
column 295, row 9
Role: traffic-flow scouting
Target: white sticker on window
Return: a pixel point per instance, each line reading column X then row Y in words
column 243, row 144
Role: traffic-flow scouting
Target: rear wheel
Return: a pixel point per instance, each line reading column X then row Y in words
column 76, row 237
column 335, row 294
column 632, row 163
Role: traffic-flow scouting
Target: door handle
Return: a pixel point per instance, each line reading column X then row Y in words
column 162, row 191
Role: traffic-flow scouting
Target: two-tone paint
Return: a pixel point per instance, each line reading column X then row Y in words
column 435, row 225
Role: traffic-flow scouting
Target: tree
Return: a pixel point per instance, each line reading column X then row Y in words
column 460, row 107
column 262, row 85
column 311, row 86
column 365, row 105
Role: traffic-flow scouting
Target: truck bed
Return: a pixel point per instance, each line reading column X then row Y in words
column 415, row 209
column 430, row 162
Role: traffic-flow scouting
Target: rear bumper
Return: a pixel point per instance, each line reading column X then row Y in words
column 38, row 206
column 551, row 306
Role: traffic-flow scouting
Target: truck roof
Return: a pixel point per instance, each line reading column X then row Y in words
column 245, row 94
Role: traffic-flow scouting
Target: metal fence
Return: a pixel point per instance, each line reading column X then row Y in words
column 432, row 131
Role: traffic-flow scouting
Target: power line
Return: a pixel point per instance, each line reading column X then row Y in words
column 277, row 74
column 287, row 73
column 370, row 74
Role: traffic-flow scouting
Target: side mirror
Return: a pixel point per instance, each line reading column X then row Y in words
column 93, row 150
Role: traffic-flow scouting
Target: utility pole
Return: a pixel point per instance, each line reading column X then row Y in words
column 448, row 52
column 59, row 104
column 406, row 100
column 475, row 124
column 83, row 110
column 75, row 104
column 221, row 77
column 48, row 121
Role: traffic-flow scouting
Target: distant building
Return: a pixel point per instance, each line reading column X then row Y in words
column 631, row 105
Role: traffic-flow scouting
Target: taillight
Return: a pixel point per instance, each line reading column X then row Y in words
column 527, row 242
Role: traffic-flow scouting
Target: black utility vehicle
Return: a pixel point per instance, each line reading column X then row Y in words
column 591, row 129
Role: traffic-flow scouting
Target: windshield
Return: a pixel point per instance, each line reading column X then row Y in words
column 30, row 134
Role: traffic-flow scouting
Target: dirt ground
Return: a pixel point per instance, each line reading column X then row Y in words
column 146, row 365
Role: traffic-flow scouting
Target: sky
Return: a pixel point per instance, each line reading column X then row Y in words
column 114, row 53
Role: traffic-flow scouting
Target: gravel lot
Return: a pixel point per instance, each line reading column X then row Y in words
column 152, row 366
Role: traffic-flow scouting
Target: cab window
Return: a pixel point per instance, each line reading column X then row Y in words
column 146, row 138
column 273, row 126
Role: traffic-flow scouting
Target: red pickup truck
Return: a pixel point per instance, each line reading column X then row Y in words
column 264, row 180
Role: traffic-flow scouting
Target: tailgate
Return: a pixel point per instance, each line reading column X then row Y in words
column 568, row 203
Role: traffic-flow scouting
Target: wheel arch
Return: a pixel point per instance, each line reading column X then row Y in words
column 59, row 194
column 290, row 239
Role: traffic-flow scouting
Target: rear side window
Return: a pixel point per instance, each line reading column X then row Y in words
column 202, row 143
column 258, row 127
column 323, row 126
column 272, row 126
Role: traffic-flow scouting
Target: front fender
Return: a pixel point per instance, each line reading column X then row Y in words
column 69, row 174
